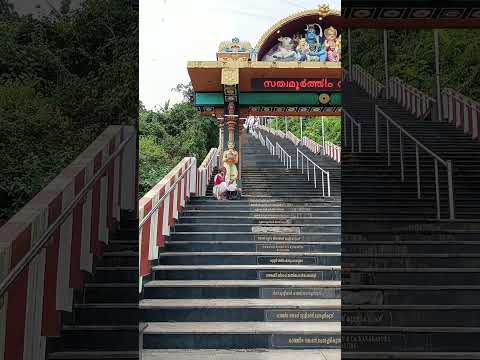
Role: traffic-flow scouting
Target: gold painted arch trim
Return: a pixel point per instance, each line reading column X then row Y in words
column 322, row 12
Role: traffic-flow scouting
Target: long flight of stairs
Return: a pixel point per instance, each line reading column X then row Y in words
column 410, row 283
column 104, row 320
column 256, row 278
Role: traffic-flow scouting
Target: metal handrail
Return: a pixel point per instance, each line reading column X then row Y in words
column 157, row 205
column 269, row 145
column 418, row 146
column 315, row 166
column 284, row 157
column 352, row 136
column 44, row 239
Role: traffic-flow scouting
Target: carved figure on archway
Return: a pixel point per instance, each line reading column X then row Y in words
column 332, row 45
column 285, row 50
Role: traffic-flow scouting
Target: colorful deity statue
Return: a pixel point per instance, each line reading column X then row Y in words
column 230, row 159
column 332, row 45
column 316, row 50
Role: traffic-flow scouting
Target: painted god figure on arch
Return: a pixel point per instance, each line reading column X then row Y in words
column 332, row 44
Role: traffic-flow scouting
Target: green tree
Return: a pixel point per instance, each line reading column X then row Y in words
column 63, row 79
column 169, row 134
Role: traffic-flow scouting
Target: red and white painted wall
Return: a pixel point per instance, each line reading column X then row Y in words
column 160, row 207
column 30, row 309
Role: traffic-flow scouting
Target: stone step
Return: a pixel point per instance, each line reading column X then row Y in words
column 259, row 219
column 114, row 274
column 249, row 236
column 245, row 258
column 247, row 272
column 265, row 212
column 272, row 246
column 93, row 355
column 410, row 276
column 404, row 247
column 95, row 338
column 102, row 314
column 412, row 355
column 445, row 294
column 109, row 293
column 424, row 260
column 254, row 207
column 411, row 315
column 268, row 227
column 264, row 289
column 410, row 339
column 313, row 199
column 230, row 335
column 236, row 310
column 240, row 354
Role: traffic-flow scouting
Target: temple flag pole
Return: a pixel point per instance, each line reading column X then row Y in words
column 385, row 54
column 437, row 75
column 349, row 53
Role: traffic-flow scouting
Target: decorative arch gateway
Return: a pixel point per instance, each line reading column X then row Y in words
column 295, row 70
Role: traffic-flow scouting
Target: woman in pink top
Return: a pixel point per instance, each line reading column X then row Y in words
column 219, row 185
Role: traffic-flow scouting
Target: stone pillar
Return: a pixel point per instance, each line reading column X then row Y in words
column 240, row 145
column 220, row 122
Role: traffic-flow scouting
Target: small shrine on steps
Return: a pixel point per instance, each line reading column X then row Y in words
column 294, row 70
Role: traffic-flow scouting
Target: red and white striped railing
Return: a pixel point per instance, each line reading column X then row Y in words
column 412, row 99
column 311, row 145
column 461, row 111
column 205, row 171
column 159, row 208
column 290, row 136
column 333, row 151
column 366, row 81
column 47, row 245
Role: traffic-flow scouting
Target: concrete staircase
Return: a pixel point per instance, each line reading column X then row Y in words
column 104, row 320
column 410, row 283
column 256, row 278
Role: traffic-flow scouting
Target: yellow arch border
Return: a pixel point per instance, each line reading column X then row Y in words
column 322, row 12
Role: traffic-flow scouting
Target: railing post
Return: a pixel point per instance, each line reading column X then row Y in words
column 450, row 189
column 352, row 136
column 328, row 183
column 377, row 146
column 359, row 138
column 417, row 157
column 297, row 158
column 437, row 189
column 345, row 116
column 193, row 176
column 388, row 143
column 401, row 158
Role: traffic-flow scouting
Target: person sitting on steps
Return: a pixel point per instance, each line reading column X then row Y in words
column 220, row 187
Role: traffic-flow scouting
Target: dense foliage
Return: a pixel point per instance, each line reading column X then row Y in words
column 63, row 79
column 312, row 127
column 169, row 134
column 411, row 57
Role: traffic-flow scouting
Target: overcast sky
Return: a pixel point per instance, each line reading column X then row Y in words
column 173, row 32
